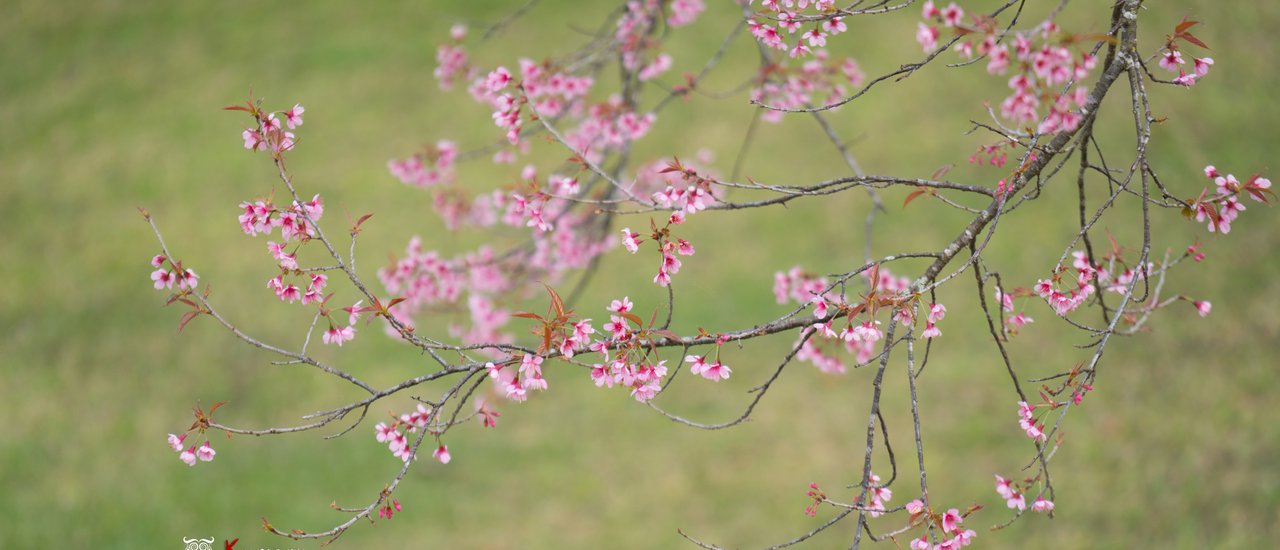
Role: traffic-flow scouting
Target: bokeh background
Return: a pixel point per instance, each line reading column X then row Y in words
column 107, row 106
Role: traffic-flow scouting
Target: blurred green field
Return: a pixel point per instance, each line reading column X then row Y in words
column 107, row 106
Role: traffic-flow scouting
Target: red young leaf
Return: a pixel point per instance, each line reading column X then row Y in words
column 1192, row 39
column 914, row 195
column 941, row 171
column 1184, row 25
column 186, row 318
column 356, row 228
column 556, row 302
column 668, row 334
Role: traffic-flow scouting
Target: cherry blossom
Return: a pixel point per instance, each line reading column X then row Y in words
column 253, row 140
column 951, row 521
column 442, row 454
column 294, row 116
column 915, row 507
column 1042, row 505
column 336, row 335
column 1201, row 65
column 715, row 371
column 1172, row 61
column 1016, row 500
column 927, row 36
column 1203, row 307
column 205, row 453
column 952, row 14
column 1004, row 487
column 162, row 279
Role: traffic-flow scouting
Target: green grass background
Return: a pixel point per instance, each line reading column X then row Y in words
column 106, row 106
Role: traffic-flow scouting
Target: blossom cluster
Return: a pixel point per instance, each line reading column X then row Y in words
column 1047, row 73
column 814, row 22
column 164, row 278
column 1221, row 205
column 1027, row 421
column 951, row 523
column 1014, row 495
column 822, row 341
column 635, row 30
column 1065, row 295
column 270, row 133
column 818, row 81
column 1015, row 321
column 396, row 434
column 1171, row 55
column 203, row 453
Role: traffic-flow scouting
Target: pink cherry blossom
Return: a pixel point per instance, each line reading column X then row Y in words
column 659, row 65
column 820, row 308
column 188, row 280
column 1201, row 65
column 253, row 140
column 175, row 441
column 294, row 116
column 930, row 331
column 337, row 335
column 880, row 496
column 488, row 416
column 866, row 332
column 498, row 79
column 929, row 11
column 630, row 240
column 952, row 14
column 531, row 365
column 663, row 278
column 1042, row 505
column 534, row 381
column 998, row 60
column 1004, row 487
column 621, row 306
column 188, row 456
column 383, row 432
column 1034, row 431
column 206, row 453
column 271, row 124
column 951, row 520
column 353, row 312
column 442, row 454
column 162, row 279
column 1171, row 60
column 1025, row 411
column 815, row 37
column 834, row 26
column 915, row 507
column 1203, row 307
column 1017, row 500
column 927, row 36
column 937, row 312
